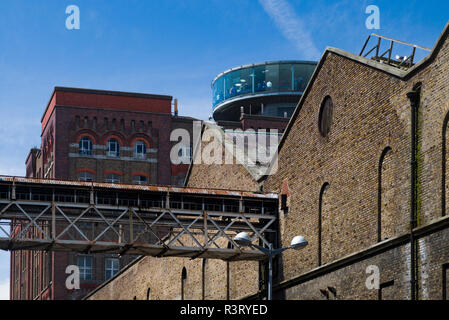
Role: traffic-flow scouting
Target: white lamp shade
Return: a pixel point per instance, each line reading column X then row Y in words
column 299, row 242
column 243, row 239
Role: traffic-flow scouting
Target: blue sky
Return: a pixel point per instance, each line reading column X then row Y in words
column 172, row 47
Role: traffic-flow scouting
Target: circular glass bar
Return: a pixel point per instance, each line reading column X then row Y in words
column 290, row 77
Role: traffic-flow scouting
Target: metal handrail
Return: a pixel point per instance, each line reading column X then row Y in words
column 408, row 62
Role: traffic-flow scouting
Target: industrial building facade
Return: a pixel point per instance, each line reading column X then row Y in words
column 362, row 175
column 104, row 136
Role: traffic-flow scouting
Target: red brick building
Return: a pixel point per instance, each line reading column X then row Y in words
column 96, row 135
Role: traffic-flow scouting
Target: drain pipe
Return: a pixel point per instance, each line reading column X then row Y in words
column 414, row 97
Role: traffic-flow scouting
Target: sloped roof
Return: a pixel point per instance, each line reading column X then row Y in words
column 256, row 170
column 390, row 70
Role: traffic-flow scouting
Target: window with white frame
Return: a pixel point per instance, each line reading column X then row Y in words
column 85, row 146
column 112, row 178
column 85, row 176
column 85, row 267
column 113, row 148
column 112, row 266
column 139, row 180
column 140, row 149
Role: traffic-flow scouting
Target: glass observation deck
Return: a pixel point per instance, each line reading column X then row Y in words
column 280, row 77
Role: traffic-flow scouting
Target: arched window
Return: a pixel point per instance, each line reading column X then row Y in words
column 320, row 221
column 140, row 149
column 203, row 278
column 228, row 274
column 325, row 116
column 140, row 180
column 112, row 178
column 385, row 203
column 444, row 166
column 85, row 146
column 183, row 281
column 85, row 176
column 113, row 148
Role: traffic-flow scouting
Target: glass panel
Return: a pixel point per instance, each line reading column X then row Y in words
column 218, row 91
column 113, row 148
column 85, row 176
column 272, row 77
column 246, row 81
column 227, row 85
column 235, row 84
column 141, row 149
column 301, row 75
column 85, row 146
column 280, row 77
column 113, row 178
column 259, row 79
column 285, row 77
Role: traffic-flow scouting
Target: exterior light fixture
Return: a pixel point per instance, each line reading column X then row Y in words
column 297, row 243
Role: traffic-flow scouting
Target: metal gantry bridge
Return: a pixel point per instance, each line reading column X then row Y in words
column 160, row 221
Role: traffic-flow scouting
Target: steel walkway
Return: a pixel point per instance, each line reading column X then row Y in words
column 160, row 221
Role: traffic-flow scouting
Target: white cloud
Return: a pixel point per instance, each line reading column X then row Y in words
column 4, row 289
column 291, row 26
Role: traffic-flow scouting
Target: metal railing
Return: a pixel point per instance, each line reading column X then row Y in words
column 404, row 62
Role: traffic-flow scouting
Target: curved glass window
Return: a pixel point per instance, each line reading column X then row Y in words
column 113, row 148
column 269, row 77
column 85, row 146
column 140, row 149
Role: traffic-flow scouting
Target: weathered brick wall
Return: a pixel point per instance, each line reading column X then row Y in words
column 232, row 175
column 350, row 281
column 433, row 253
column 163, row 277
column 434, row 107
column 371, row 112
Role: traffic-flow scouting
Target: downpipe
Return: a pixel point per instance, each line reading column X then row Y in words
column 414, row 97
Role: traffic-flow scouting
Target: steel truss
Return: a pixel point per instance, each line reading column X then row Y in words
column 159, row 222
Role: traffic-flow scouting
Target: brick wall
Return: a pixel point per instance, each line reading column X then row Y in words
column 342, row 187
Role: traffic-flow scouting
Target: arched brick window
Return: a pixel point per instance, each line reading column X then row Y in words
column 183, row 281
column 140, row 179
column 113, row 148
column 385, row 202
column 85, row 146
column 112, row 178
column 320, row 221
column 203, row 278
column 140, row 149
column 85, row 176
column 444, row 166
